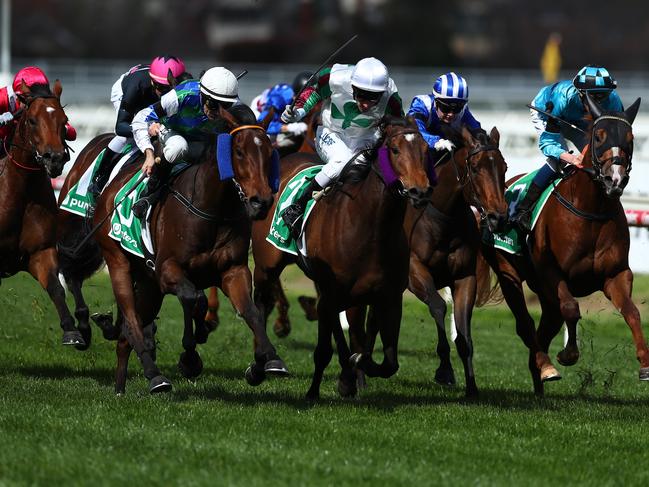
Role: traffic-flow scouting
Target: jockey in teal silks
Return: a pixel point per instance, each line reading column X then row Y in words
column 565, row 100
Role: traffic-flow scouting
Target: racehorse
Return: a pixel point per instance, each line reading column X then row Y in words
column 214, row 219
column 445, row 241
column 358, row 251
column 579, row 245
column 36, row 153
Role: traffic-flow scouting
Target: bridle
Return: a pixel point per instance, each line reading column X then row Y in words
column 32, row 150
column 616, row 160
column 240, row 191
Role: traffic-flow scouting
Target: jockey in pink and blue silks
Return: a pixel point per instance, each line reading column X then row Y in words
column 355, row 99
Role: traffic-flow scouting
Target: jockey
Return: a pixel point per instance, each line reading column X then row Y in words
column 10, row 104
column 566, row 100
column 446, row 105
column 139, row 87
column 355, row 98
column 278, row 97
column 183, row 119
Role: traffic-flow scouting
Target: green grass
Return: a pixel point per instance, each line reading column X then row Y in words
column 61, row 424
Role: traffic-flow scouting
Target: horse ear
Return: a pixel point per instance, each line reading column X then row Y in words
column 268, row 118
column 228, row 118
column 170, row 79
column 494, row 135
column 594, row 109
column 58, row 88
column 467, row 137
column 632, row 111
column 412, row 122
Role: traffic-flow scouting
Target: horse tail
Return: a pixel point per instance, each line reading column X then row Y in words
column 488, row 288
column 80, row 263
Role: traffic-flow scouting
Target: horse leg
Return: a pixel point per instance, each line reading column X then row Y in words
column 43, row 266
column 212, row 316
column 119, row 268
column 282, row 326
column 464, row 295
column 512, row 288
column 174, row 281
column 618, row 289
column 549, row 326
column 123, row 352
column 358, row 338
column 81, row 311
column 420, row 282
column 236, row 283
column 201, row 310
column 323, row 349
column 264, row 297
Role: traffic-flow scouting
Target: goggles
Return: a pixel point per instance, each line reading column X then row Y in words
column 160, row 87
column 450, row 106
column 213, row 105
column 365, row 95
column 599, row 96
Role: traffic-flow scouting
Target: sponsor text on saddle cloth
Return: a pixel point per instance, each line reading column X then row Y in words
column 279, row 233
column 78, row 198
column 513, row 241
column 124, row 226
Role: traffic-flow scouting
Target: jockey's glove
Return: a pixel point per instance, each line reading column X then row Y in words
column 291, row 115
column 296, row 128
column 444, row 144
column 5, row 118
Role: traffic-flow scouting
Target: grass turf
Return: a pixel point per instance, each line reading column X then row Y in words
column 61, row 424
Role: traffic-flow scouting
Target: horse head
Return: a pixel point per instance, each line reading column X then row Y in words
column 484, row 175
column 405, row 152
column 41, row 127
column 252, row 163
column 611, row 146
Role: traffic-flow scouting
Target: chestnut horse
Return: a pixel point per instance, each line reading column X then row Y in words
column 36, row 153
column 358, row 250
column 214, row 219
column 579, row 245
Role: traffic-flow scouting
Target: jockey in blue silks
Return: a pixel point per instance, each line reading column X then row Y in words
column 447, row 104
column 566, row 100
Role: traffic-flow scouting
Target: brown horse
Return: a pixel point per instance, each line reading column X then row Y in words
column 579, row 245
column 36, row 153
column 358, row 251
column 214, row 219
column 445, row 241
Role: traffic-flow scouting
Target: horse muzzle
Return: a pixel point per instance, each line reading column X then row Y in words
column 257, row 207
column 53, row 162
column 417, row 196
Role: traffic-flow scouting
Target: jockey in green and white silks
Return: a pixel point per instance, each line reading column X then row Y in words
column 355, row 98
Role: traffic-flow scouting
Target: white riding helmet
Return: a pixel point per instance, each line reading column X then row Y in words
column 370, row 74
column 220, row 84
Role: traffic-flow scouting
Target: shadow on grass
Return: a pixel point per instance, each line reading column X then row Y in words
column 103, row 376
column 295, row 344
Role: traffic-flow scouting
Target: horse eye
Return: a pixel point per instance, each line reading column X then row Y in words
column 394, row 150
column 32, row 122
column 238, row 152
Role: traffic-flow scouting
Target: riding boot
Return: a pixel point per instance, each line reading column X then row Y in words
column 105, row 166
column 293, row 215
column 151, row 193
column 524, row 209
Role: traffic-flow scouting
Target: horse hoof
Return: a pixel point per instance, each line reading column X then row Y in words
column 346, row 388
column 355, row 360
column 567, row 357
column 276, row 367
column 312, row 395
column 159, row 384
column 200, row 335
column 361, row 381
column 73, row 338
column 255, row 375
column 644, row 373
column 445, row 376
column 308, row 304
column 549, row 374
column 104, row 322
column 282, row 330
column 190, row 365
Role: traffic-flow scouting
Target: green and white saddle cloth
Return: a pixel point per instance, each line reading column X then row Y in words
column 125, row 227
column 78, row 198
column 513, row 241
column 279, row 234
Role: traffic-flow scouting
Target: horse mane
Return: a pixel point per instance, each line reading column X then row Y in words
column 40, row 90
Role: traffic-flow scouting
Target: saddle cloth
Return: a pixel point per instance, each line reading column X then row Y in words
column 279, row 234
column 512, row 241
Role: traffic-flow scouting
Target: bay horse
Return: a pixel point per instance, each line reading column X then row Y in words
column 579, row 245
column 358, row 250
column 213, row 217
column 37, row 152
